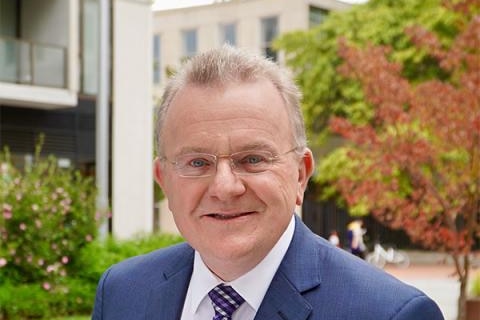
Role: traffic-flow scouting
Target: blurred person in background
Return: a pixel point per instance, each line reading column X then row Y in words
column 355, row 233
column 334, row 239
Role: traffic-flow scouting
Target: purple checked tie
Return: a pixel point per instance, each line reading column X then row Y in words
column 225, row 301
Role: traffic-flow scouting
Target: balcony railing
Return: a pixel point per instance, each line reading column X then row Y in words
column 25, row 62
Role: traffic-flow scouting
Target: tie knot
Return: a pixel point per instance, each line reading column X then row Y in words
column 225, row 301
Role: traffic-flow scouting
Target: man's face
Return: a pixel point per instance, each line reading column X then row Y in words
column 226, row 217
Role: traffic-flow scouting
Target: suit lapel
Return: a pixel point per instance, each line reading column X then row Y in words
column 167, row 298
column 283, row 301
column 298, row 273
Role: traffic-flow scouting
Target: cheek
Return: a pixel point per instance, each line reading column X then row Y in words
column 288, row 180
column 183, row 200
column 183, row 195
column 278, row 189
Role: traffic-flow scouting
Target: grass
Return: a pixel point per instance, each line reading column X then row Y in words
column 74, row 318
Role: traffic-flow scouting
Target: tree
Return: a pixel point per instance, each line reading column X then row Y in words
column 416, row 164
column 312, row 55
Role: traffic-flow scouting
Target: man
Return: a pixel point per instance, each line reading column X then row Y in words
column 233, row 164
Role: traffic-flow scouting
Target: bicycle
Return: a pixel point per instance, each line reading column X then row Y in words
column 381, row 256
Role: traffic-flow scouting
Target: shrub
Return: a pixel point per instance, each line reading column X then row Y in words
column 75, row 294
column 47, row 214
column 31, row 301
column 50, row 262
column 96, row 257
column 475, row 286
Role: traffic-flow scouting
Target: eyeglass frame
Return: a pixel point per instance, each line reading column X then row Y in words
column 233, row 164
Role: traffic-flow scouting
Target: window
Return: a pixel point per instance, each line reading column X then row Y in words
column 228, row 33
column 269, row 32
column 157, row 67
column 189, row 43
column 316, row 16
column 9, row 16
column 11, row 51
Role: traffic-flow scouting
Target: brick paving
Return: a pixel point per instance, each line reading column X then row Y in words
column 437, row 281
column 437, row 271
column 434, row 274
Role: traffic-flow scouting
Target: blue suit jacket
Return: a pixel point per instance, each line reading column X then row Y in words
column 314, row 281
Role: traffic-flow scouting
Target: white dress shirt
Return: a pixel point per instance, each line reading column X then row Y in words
column 252, row 286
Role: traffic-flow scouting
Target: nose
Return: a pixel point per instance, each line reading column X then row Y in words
column 225, row 183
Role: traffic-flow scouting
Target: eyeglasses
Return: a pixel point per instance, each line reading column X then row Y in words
column 193, row 165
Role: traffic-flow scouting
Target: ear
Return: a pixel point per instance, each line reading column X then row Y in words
column 158, row 173
column 305, row 171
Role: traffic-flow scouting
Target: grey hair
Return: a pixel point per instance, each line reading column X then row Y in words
column 219, row 67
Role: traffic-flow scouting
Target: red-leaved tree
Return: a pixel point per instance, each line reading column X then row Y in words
column 418, row 162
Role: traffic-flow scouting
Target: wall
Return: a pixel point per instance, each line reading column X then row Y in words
column 293, row 15
column 45, row 21
column 132, row 118
column 51, row 22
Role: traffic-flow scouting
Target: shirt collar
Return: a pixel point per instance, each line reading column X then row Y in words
column 253, row 285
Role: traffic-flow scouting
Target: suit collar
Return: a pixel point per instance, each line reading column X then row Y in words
column 299, row 264
column 167, row 297
column 298, row 273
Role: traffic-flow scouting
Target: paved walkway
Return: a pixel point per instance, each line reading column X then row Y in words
column 438, row 281
column 434, row 274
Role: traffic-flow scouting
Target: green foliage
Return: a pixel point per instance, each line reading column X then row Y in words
column 50, row 262
column 475, row 286
column 27, row 301
column 75, row 294
column 95, row 258
column 336, row 165
column 47, row 215
column 313, row 56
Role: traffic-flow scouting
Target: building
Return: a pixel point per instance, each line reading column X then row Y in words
column 48, row 84
column 253, row 24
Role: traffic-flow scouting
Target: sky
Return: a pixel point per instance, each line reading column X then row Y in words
column 171, row 4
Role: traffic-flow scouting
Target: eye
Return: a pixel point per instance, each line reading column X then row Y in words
column 198, row 163
column 253, row 159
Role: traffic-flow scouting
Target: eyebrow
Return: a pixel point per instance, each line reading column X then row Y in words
column 185, row 150
column 256, row 146
column 245, row 147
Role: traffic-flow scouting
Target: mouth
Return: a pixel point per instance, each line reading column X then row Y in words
column 229, row 216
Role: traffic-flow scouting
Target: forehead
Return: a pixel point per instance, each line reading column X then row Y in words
column 251, row 111
column 253, row 99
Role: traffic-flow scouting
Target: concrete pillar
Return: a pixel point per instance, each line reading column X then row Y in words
column 132, row 118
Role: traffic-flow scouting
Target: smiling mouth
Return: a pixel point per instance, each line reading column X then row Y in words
column 221, row 216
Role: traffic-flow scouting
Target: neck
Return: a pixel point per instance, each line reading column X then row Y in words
column 229, row 270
